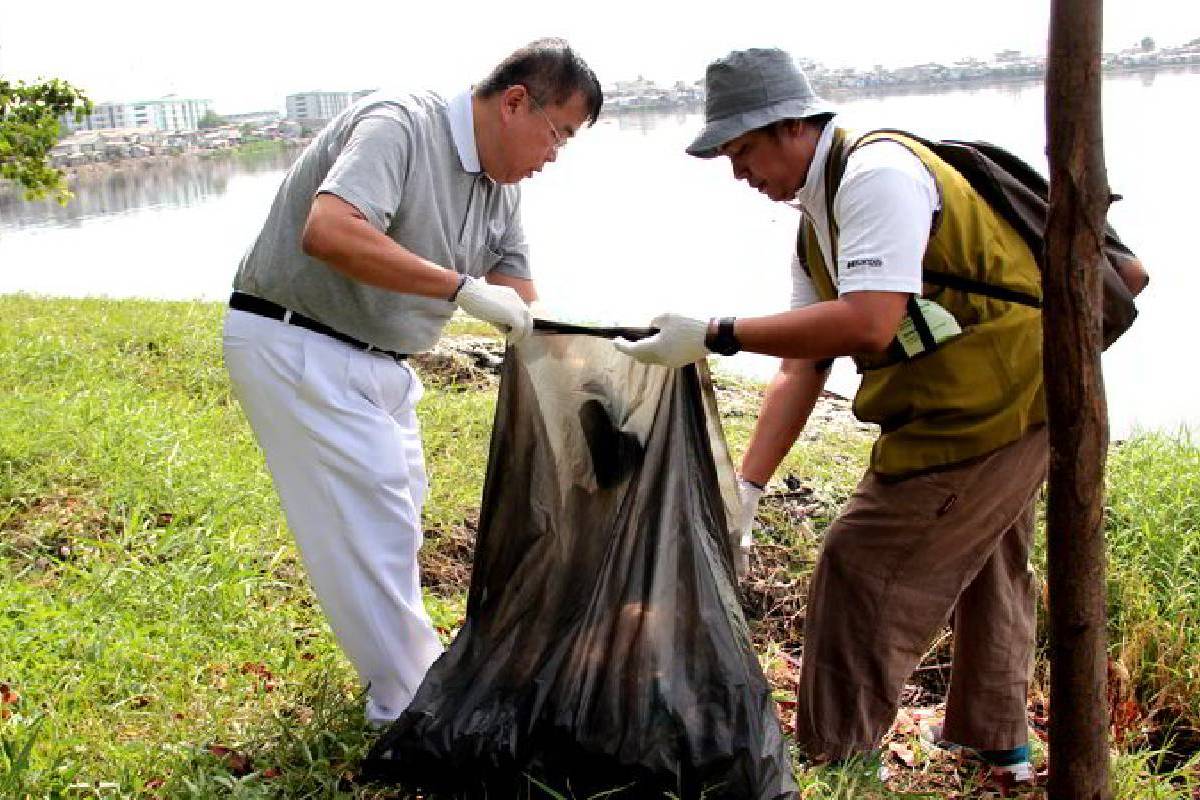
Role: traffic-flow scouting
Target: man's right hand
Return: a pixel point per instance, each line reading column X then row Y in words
column 750, row 495
column 678, row 342
column 499, row 305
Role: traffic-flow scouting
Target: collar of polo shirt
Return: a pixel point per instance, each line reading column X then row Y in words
column 462, row 130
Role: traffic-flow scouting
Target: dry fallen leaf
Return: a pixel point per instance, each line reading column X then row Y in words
column 239, row 764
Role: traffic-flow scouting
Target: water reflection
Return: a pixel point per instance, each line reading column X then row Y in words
column 646, row 121
column 103, row 189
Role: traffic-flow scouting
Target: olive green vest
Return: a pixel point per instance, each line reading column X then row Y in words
column 979, row 390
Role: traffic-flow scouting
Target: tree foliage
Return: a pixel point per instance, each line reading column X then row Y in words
column 211, row 119
column 29, row 127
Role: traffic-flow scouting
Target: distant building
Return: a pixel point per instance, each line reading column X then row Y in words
column 314, row 109
column 170, row 113
column 255, row 118
column 644, row 94
column 115, row 144
column 638, row 87
column 107, row 116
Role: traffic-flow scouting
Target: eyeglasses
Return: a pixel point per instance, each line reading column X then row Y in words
column 560, row 141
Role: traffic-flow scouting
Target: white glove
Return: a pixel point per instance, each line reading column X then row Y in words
column 750, row 495
column 679, row 341
column 499, row 305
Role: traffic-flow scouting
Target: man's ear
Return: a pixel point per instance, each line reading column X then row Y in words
column 511, row 99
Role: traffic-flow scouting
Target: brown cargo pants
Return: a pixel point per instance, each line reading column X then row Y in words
column 901, row 557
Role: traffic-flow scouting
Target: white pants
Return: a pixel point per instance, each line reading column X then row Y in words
column 343, row 444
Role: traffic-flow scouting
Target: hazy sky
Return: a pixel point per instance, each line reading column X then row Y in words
column 248, row 55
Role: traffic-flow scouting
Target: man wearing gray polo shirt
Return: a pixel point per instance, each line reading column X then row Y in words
column 402, row 209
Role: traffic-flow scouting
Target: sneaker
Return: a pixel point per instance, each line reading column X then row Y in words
column 1010, row 767
column 378, row 716
column 1018, row 774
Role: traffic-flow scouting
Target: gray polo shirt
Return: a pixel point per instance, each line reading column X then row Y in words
column 409, row 163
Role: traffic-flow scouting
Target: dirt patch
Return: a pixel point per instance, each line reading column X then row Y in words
column 775, row 591
column 834, row 414
column 773, row 597
column 461, row 363
column 446, row 559
column 59, row 527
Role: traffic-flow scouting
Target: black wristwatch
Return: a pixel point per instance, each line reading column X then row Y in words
column 723, row 342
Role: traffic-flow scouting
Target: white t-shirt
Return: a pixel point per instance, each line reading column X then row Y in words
column 884, row 208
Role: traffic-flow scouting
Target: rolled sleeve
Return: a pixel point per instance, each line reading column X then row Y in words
column 370, row 170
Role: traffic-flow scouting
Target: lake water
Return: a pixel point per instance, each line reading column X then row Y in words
column 625, row 225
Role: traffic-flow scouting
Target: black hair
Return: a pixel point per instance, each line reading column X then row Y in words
column 818, row 121
column 551, row 71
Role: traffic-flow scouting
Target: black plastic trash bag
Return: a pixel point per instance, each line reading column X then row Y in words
column 604, row 646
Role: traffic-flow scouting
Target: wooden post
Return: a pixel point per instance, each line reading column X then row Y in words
column 1078, row 418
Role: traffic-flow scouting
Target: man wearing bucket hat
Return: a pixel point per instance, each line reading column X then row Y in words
column 942, row 521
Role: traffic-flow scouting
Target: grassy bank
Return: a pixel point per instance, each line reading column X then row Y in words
column 157, row 636
column 259, row 148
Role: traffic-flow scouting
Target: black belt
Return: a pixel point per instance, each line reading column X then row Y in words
column 265, row 308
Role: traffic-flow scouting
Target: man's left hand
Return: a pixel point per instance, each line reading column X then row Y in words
column 679, row 341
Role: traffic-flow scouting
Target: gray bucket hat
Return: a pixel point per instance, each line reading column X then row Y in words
column 750, row 89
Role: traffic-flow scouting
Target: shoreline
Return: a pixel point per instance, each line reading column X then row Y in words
column 100, row 168
column 849, row 93
column 839, row 93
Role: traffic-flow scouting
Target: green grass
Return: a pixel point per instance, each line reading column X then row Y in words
column 249, row 151
column 152, row 604
column 264, row 146
column 157, row 634
column 1154, row 568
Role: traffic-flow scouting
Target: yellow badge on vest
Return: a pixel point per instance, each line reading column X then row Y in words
column 940, row 323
